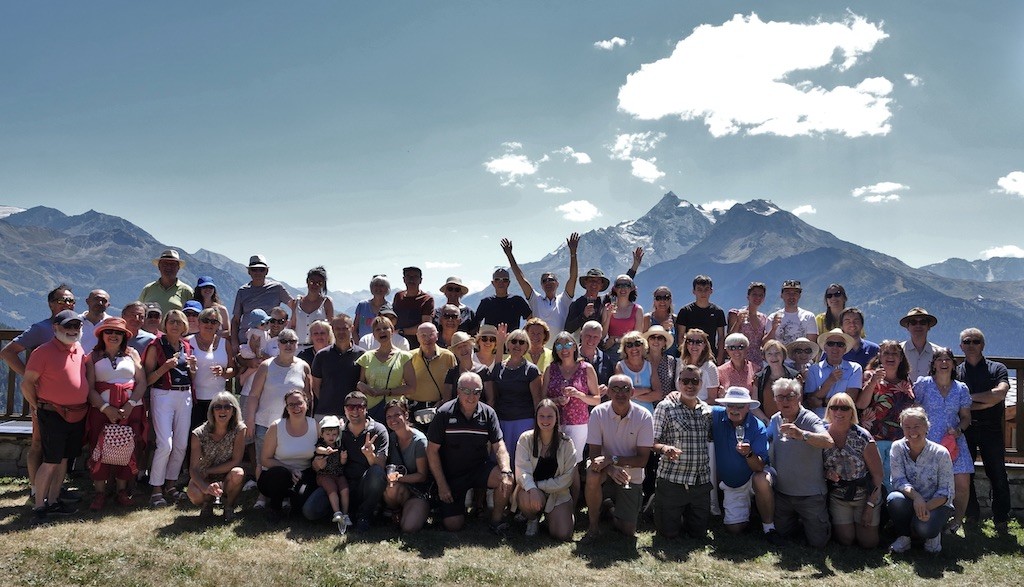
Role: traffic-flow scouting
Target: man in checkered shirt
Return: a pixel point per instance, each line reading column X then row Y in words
column 681, row 428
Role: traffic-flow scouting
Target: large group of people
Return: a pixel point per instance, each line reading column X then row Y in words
column 532, row 407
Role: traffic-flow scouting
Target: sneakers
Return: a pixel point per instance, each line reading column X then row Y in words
column 902, row 544
column 338, row 517
column 774, row 538
column 124, row 498
column 39, row 516
column 934, row 545
column 343, row 522
column 61, row 508
column 261, row 503
column 98, row 501
column 346, row 520
column 532, row 527
column 249, row 485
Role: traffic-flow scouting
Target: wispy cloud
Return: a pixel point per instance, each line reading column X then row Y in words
column 1012, row 183
column 745, row 76
column 580, row 157
column 879, row 193
column 1003, row 251
column 626, row 148
column 609, row 44
column 512, row 166
column 578, row 211
column 914, row 80
column 441, row 265
column 805, row 209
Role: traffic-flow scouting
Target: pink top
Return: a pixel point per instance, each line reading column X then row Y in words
column 574, row 412
column 617, row 327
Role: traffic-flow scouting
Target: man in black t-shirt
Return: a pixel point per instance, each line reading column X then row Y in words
column 988, row 384
column 705, row 315
column 501, row 308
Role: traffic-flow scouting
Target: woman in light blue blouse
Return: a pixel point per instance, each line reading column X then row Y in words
column 921, row 501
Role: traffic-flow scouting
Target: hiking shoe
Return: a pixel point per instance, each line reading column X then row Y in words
column 774, row 538
column 61, row 508
column 499, row 529
column 532, row 527
column 902, row 544
column 934, row 545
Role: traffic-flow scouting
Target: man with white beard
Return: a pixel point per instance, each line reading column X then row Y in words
column 55, row 386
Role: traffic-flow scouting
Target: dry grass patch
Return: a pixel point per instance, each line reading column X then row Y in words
column 174, row 546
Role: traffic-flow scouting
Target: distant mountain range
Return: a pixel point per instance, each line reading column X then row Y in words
column 756, row 241
column 994, row 269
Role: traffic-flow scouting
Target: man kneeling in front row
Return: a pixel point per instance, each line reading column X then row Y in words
column 460, row 437
column 620, row 435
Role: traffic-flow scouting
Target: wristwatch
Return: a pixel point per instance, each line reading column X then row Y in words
column 506, row 473
column 805, row 435
column 615, row 461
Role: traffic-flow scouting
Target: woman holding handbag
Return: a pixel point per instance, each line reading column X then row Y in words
column 115, row 422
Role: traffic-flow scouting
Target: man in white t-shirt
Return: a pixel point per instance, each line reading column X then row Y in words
column 792, row 321
column 552, row 307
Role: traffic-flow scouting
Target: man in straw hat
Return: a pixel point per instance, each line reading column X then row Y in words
column 453, row 290
column 168, row 291
column 918, row 350
column 833, row 374
column 741, row 454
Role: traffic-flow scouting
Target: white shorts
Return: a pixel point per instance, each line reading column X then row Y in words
column 736, row 500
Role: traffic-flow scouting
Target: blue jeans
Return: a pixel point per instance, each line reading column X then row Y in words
column 906, row 523
column 366, row 495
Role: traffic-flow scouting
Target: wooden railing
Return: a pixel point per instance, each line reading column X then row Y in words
column 11, row 391
column 15, row 409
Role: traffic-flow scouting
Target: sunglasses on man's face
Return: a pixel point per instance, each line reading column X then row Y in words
column 277, row 320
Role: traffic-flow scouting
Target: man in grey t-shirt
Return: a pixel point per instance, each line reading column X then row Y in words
column 797, row 437
column 259, row 293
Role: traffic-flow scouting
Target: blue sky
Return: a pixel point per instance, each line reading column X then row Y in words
column 370, row 136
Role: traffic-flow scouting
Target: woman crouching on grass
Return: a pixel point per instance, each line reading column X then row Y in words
column 217, row 447
column 408, row 490
column 545, row 470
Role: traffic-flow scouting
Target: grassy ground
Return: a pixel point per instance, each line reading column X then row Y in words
column 174, row 546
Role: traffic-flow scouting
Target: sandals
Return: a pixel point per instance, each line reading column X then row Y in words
column 157, row 500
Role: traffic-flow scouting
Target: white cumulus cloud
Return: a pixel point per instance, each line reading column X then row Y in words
column 1003, row 251
column 441, row 265
column 805, row 209
column 552, row 189
column 882, row 199
column 915, row 81
column 1012, row 183
column 580, row 157
column 646, row 170
column 512, row 166
column 745, row 76
column 879, row 193
column 722, row 205
column 578, row 211
column 626, row 148
column 609, row 44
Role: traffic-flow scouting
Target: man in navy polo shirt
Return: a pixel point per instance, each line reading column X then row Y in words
column 988, row 384
column 462, row 435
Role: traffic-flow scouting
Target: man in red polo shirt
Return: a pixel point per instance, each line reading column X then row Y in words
column 55, row 386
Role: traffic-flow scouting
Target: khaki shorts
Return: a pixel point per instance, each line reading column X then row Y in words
column 850, row 512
